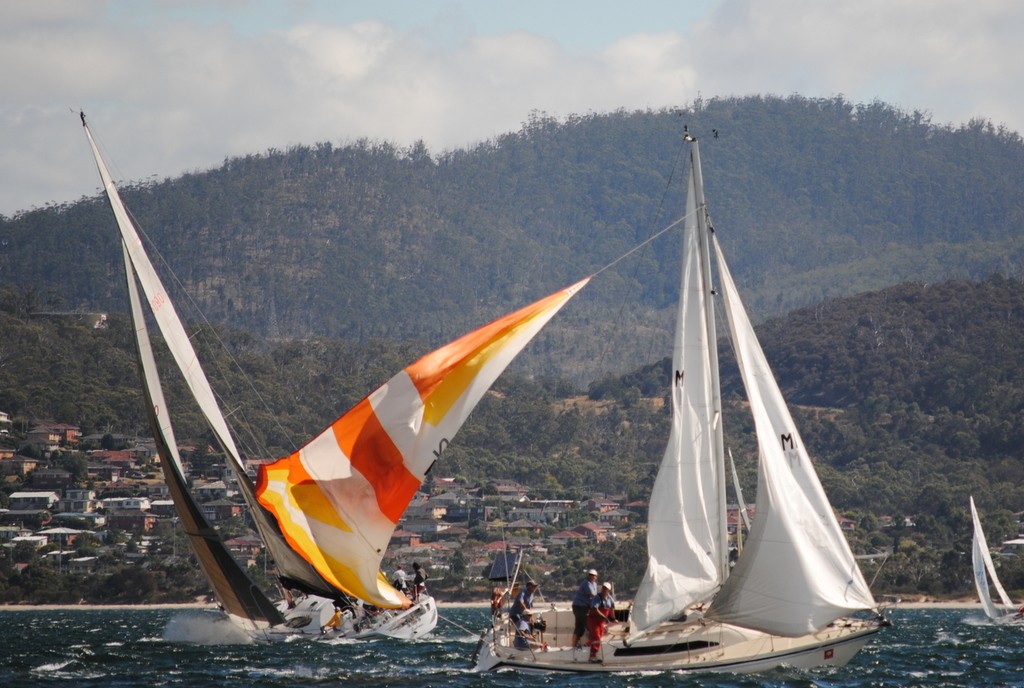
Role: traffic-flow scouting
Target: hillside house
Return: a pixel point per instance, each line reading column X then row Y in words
column 252, row 466
column 126, row 504
column 158, row 491
column 614, row 517
column 566, row 537
column 214, row 490
column 83, row 564
column 42, row 440
column 508, row 490
column 539, row 512
column 220, row 510
column 134, row 521
column 425, row 526
column 34, row 501
column 123, row 459
column 405, row 538
column 37, row 541
column 162, row 507
column 79, row 500
column 19, row 465
column 52, row 478
column 595, row 532
column 104, row 473
column 249, row 546
column 600, row 506
column 8, row 533
column 425, row 510
column 68, row 435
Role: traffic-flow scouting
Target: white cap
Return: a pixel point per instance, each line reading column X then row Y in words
column 606, row 584
column 592, row 572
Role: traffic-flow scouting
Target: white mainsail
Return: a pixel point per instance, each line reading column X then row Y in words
column 288, row 563
column 797, row 572
column 167, row 318
column 683, row 538
column 981, row 559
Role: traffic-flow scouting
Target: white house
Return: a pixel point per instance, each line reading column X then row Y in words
column 27, row 501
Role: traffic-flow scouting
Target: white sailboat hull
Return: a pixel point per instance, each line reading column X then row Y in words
column 399, row 624
column 696, row 645
column 311, row 613
column 407, row 624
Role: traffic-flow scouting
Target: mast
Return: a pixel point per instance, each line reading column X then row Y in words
column 703, row 230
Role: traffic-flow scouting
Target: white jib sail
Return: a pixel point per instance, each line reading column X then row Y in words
column 797, row 572
column 683, row 531
column 981, row 558
column 166, row 317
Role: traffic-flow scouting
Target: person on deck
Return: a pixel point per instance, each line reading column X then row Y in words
column 336, row 620
column 400, row 581
column 581, row 605
column 524, row 631
column 498, row 597
column 522, row 602
column 419, row 581
column 602, row 611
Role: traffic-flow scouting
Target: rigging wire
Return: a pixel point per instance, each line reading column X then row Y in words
column 458, row 625
column 669, row 182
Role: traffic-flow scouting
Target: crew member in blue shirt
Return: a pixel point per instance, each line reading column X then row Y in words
column 581, row 605
column 523, row 601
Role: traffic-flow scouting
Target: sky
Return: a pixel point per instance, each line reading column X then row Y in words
column 171, row 86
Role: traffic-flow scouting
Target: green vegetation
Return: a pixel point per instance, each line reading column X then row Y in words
column 813, row 198
column 910, row 399
column 332, row 266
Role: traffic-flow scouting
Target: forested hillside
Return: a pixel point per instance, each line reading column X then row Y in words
column 910, row 398
column 812, row 199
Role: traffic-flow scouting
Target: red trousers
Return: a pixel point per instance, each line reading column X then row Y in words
column 596, row 623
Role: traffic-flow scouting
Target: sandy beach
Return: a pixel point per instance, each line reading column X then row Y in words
column 51, row 607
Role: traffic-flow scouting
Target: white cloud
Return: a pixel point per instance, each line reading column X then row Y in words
column 169, row 89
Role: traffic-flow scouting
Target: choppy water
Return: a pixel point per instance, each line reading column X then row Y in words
column 186, row 648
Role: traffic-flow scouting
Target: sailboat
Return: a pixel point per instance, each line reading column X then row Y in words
column 985, row 578
column 326, row 512
column 795, row 595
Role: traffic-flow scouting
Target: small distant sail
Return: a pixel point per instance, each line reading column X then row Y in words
column 982, row 563
column 338, row 498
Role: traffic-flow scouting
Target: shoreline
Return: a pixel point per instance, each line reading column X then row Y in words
column 59, row 607
column 479, row 604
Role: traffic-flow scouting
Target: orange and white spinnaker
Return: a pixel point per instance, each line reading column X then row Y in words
column 338, row 498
